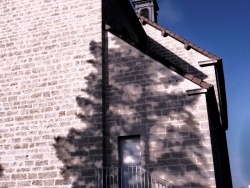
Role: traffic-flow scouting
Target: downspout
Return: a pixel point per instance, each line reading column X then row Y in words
column 104, row 80
column 222, row 93
column 218, row 68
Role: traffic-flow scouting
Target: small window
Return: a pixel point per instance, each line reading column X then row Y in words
column 130, row 150
column 145, row 13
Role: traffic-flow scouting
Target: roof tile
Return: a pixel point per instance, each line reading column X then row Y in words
column 197, row 80
column 188, row 76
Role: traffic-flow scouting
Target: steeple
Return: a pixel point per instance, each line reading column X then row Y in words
column 147, row 8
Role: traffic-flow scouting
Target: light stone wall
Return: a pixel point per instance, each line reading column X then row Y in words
column 175, row 52
column 45, row 67
column 51, row 100
column 146, row 98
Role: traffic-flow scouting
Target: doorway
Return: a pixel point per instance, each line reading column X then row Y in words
column 130, row 160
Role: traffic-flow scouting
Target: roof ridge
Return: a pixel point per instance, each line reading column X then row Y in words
column 160, row 59
column 187, row 43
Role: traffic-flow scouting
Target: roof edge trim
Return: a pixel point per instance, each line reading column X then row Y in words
column 196, row 91
column 177, row 37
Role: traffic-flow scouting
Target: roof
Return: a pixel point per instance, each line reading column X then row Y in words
column 187, row 43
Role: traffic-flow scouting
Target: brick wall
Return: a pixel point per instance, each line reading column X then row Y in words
column 175, row 52
column 50, row 60
column 145, row 98
column 51, row 112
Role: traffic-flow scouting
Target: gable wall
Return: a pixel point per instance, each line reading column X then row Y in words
column 145, row 98
column 177, row 54
column 48, row 115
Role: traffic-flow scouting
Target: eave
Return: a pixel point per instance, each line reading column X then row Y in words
column 187, row 44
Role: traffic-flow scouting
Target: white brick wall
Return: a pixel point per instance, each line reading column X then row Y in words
column 50, row 100
column 43, row 67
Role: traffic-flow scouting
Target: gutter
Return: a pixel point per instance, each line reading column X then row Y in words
column 219, row 73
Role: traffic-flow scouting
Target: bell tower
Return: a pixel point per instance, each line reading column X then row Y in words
column 146, row 8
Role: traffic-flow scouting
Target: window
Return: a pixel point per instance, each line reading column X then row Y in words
column 145, row 13
column 130, row 151
column 130, row 159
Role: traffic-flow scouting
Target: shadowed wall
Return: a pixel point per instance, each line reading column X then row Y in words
column 146, row 98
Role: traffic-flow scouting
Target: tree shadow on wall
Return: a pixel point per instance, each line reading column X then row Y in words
column 140, row 99
column 175, row 59
column 81, row 150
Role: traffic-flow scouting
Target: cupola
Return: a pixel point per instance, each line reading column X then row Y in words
column 146, row 8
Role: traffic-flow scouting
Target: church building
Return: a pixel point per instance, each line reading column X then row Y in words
column 97, row 94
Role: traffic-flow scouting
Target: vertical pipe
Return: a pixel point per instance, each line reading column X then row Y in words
column 132, row 176
column 121, row 171
column 148, row 180
column 136, row 176
column 96, row 179
column 140, row 178
column 104, row 61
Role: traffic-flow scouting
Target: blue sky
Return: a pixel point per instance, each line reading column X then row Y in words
column 223, row 28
